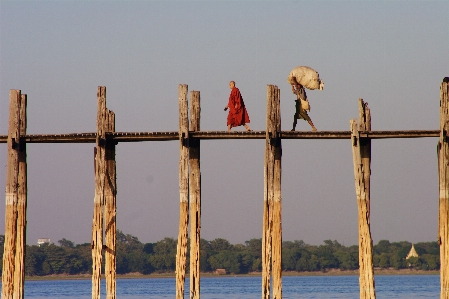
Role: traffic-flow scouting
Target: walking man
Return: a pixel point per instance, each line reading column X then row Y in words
column 301, row 112
column 237, row 116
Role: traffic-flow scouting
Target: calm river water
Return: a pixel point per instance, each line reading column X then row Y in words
column 395, row 286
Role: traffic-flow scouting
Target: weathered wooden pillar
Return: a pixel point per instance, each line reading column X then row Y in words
column 12, row 182
column 181, row 250
column 19, row 270
column 276, row 259
column 268, row 201
column 361, row 152
column 271, row 227
column 195, row 196
column 110, row 210
column 365, row 149
column 443, row 175
column 97, row 223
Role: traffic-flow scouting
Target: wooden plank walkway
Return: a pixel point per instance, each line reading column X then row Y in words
column 166, row 136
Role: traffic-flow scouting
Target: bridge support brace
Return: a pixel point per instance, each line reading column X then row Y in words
column 104, row 201
column 110, row 209
column 361, row 153
column 181, row 250
column 443, row 176
column 271, row 227
column 195, row 196
column 13, row 273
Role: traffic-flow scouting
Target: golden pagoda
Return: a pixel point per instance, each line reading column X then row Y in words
column 412, row 253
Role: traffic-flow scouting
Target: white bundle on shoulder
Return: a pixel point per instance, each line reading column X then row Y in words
column 306, row 76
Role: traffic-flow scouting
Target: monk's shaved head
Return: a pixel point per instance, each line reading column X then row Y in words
column 231, row 84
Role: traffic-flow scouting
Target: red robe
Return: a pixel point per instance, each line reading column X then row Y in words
column 237, row 116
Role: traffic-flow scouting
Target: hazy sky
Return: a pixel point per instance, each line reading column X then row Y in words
column 393, row 54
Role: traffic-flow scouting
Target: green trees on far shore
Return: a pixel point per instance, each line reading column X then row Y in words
column 159, row 257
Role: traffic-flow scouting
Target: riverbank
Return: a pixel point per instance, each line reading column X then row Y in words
column 332, row 272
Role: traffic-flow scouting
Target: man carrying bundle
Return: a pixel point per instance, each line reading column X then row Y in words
column 301, row 104
column 303, row 77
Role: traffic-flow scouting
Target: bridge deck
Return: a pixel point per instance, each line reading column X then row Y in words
column 165, row 136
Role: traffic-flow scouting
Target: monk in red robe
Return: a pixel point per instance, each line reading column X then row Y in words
column 237, row 116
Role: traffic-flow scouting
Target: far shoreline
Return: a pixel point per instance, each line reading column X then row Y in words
column 332, row 272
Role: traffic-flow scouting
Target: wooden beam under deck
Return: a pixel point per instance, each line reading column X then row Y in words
column 166, row 136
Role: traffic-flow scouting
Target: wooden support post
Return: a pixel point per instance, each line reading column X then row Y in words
column 361, row 152
column 272, row 230
column 268, row 202
column 12, row 182
column 19, row 270
column 365, row 150
column 195, row 196
column 181, row 250
column 443, row 176
column 277, row 202
column 97, row 223
column 110, row 211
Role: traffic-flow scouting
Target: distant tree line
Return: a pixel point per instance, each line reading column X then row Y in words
column 159, row 257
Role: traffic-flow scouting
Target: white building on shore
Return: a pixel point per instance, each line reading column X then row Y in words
column 41, row 241
column 412, row 253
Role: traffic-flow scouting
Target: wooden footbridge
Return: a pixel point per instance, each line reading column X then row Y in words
column 189, row 137
column 166, row 136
